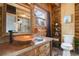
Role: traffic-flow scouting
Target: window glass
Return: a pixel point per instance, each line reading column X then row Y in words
column 10, row 20
column 41, row 16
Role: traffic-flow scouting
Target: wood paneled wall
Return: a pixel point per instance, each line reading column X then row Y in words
column 56, row 13
column 44, row 6
column 77, row 21
column 0, row 20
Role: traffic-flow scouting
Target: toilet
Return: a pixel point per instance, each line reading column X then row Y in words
column 67, row 45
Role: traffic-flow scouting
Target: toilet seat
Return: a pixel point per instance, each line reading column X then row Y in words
column 67, row 46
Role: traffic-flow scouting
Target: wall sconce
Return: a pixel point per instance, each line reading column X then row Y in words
column 20, row 22
column 23, row 15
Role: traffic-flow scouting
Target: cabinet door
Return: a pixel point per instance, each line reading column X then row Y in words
column 47, row 49
column 44, row 50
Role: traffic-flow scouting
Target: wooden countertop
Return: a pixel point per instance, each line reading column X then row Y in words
column 13, row 50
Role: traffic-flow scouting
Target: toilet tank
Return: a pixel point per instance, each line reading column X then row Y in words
column 68, row 39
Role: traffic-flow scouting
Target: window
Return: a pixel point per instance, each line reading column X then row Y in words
column 41, row 16
column 10, row 20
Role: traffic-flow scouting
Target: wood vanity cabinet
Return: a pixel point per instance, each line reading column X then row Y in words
column 43, row 50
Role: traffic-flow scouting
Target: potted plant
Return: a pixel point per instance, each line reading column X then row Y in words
column 76, row 45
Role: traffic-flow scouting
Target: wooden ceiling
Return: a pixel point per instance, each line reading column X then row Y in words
column 26, row 5
column 53, row 4
column 56, row 4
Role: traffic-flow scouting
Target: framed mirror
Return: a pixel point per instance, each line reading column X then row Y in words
column 40, row 16
column 67, row 19
column 19, row 23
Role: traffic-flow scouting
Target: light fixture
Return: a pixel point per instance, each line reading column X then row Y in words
column 23, row 15
column 20, row 22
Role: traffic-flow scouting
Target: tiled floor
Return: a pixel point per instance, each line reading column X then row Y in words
column 58, row 52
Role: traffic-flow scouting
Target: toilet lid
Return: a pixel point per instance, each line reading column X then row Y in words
column 68, row 39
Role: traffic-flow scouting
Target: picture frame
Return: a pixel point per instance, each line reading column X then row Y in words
column 67, row 19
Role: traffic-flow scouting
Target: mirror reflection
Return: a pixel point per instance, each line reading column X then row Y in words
column 19, row 22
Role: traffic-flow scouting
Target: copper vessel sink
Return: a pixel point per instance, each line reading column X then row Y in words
column 26, row 39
